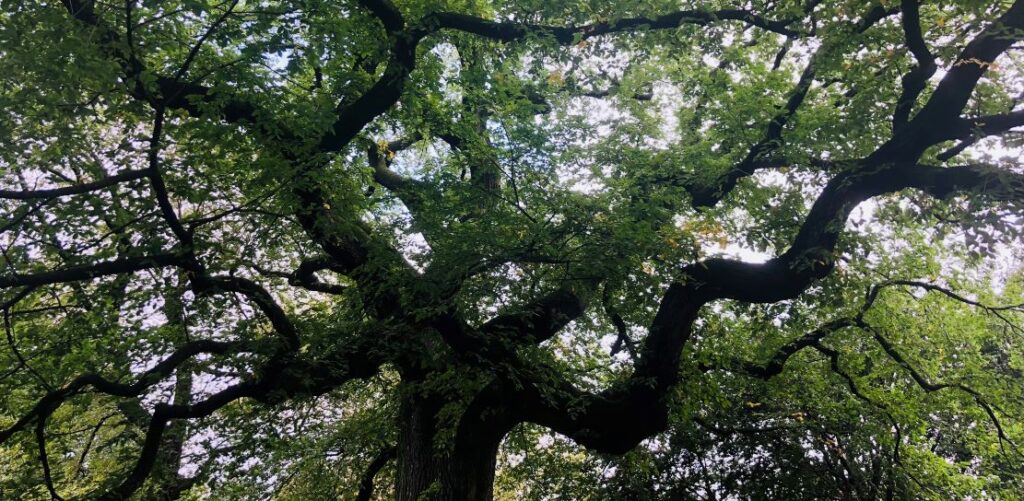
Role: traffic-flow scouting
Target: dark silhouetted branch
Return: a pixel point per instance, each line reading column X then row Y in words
column 77, row 189
column 366, row 481
column 915, row 81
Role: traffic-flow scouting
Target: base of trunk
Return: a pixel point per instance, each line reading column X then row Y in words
column 456, row 469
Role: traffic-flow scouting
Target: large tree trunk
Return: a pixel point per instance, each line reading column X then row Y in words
column 453, row 469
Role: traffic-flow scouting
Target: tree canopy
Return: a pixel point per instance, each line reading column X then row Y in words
column 471, row 250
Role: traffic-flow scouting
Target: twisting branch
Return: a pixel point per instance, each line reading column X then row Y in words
column 350, row 248
column 914, row 81
column 43, row 458
column 379, row 157
column 200, row 280
column 410, row 191
column 781, row 54
column 387, row 13
column 958, row 297
column 929, row 386
column 281, row 378
column 777, row 362
column 176, row 94
column 851, row 383
column 943, row 108
column 540, row 319
column 366, row 481
column 305, row 275
column 621, row 329
column 164, row 413
column 813, row 339
column 641, row 399
column 511, row 32
column 54, row 399
column 264, row 301
column 592, row 419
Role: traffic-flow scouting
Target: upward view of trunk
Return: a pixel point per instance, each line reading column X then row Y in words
column 613, row 224
column 434, row 463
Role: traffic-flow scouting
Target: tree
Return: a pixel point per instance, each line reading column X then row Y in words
column 604, row 249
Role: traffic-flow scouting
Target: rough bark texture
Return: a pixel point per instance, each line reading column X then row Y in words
column 431, row 467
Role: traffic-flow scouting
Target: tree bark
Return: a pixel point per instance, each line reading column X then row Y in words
column 434, row 465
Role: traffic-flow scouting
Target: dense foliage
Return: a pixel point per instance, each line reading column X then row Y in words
column 558, row 249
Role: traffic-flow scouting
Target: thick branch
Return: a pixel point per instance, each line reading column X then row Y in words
column 594, row 420
column 539, row 320
column 386, row 12
column 810, row 256
column 913, row 82
column 970, row 130
column 944, row 107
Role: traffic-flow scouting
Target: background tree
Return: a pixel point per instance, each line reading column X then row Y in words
column 607, row 250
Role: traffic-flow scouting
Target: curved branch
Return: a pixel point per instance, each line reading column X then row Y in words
column 91, row 271
column 280, row 378
column 914, row 82
column 121, row 177
column 594, row 420
column 931, row 387
column 810, row 255
column 160, row 189
column 539, row 320
column 264, row 301
column 366, row 481
column 387, row 13
column 54, row 399
column 777, row 362
column 162, row 415
column 833, row 357
column 958, row 297
column 930, row 125
column 622, row 338
column 305, row 275
column 44, row 459
column 970, row 130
